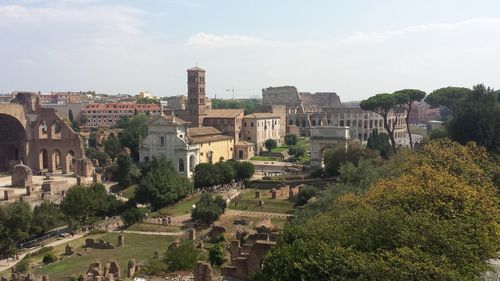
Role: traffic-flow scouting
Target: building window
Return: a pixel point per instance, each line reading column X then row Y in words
column 162, row 141
column 251, row 124
column 244, row 124
column 181, row 165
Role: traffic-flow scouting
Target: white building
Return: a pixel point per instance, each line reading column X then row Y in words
column 167, row 136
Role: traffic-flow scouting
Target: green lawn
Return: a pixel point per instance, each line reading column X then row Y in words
column 265, row 158
column 248, row 202
column 280, row 149
column 138, row 247
column 180, row 208
column 128, row 192
column 418, row 131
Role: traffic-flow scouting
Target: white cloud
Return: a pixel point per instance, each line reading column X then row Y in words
column 203, row 39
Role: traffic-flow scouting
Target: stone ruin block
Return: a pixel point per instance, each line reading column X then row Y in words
column 274, row 193
column 32, row 190
column 55, row 186
column 95, row 269
column 121, row 241
column 175, row 244
column 10, row 195
column 292, row 193
column 112, row 269
column 257, row 194
column 83, row 167
column 96, row 178
column 132, row 268
column 203, row 272
column 235, row 249
column 89, row 242
column 45, row 278
column 192, row 234
column 216, row 231
column 22, row 176
column 69, row 250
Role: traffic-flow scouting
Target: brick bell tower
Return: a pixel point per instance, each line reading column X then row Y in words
column 196, row 95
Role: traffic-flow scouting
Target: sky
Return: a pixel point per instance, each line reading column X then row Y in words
column 356, row 48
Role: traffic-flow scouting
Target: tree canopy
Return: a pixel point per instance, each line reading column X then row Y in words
column 270, row 144
column 291, row 139
column 449, row 97
column 420, row 224
column 161, row 184
column 406, row 98
column 134, row 129
column 476, row 117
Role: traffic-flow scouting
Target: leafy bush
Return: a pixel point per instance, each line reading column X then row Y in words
column 270, row 144
column 305, row 193
column 183, row 257
column 208, row 209
column 154, row 266
column 133, row 215
column 23, row 265
column 49, row 258
column 290, row 139
column 216, row 255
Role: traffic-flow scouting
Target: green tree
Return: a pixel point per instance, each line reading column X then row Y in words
column 307, row 192
column 270, row 144
column 383, row 105
column 290, row 139
column 86, row 205
column 46, row 216
column 335, row 157
column 93, row 153
column 161, row 184
column 133, row 215
column 216, row 255
column 419, row 225
column 183, row 257
column 112, row 147
column 15, row 225
column 244, row 170
column 126, row 172
column 297, row 151
column 204, row 176
column 449, row 97
column 379, row 142
column 409, row 96
column 208, row 209
column 134, row 129
column 477, row 118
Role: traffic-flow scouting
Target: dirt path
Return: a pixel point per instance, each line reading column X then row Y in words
column 152, row 233
column 4, row 264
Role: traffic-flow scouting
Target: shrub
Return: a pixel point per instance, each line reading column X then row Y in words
column 182, row 258
column 305, row 193
column 23, row 266
column 49, row 258
column 216, row 255
column 208, row 209
column 154, row 266
column 133, row 215
column 290, row 139
column 270, row 144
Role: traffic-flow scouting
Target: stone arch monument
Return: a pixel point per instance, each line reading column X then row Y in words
column 322, row 137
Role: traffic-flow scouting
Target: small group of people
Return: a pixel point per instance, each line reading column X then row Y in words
column 222, row 187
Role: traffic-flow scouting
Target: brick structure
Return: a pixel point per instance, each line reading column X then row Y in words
column 203, row 272
column 36, row 136
column 107, row 114
column 248, row 261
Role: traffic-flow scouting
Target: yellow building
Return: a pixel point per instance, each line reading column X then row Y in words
column 214, row 146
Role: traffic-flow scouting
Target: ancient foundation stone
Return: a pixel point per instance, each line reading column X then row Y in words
column 22, row 176
column 203, row 272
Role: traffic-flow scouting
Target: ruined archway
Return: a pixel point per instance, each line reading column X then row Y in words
column 43, row 159
column 12, row 142
column 323, row 137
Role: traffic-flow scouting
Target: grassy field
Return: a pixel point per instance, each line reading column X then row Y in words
column 180, row 208
column 248, row 202
column 418, row 131
column 265, row 158
column 280, row 149
column 127, row 192
column 149, row 227
column 138, row 247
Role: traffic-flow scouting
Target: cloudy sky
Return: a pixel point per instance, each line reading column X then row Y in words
column 356, row 48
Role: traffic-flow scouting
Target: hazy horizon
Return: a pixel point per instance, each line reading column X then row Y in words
column 354, row 49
